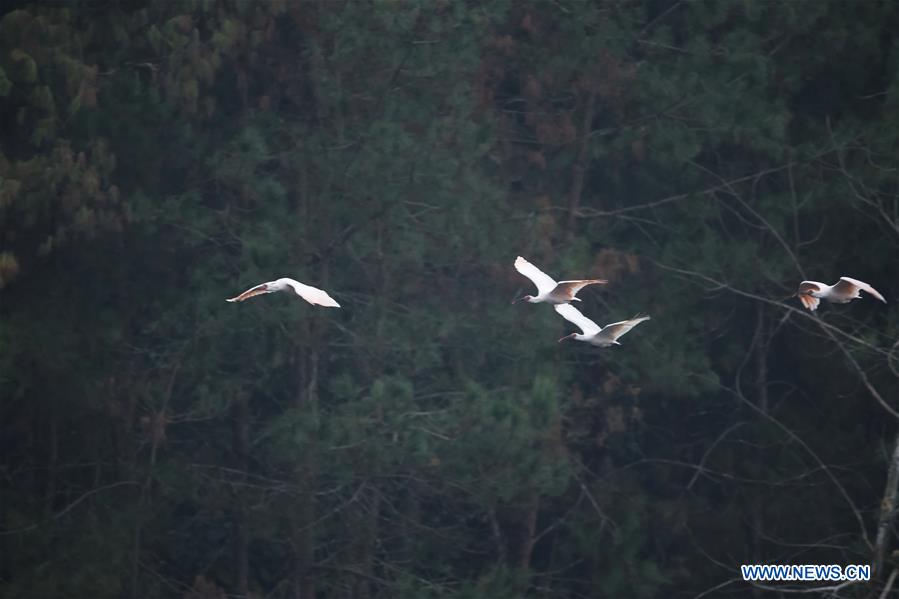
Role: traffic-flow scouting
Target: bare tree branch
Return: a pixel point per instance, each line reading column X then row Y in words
column 69, row 507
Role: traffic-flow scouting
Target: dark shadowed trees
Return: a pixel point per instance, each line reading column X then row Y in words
column 428, row 439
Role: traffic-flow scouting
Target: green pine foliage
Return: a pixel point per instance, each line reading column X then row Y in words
column 429, row 439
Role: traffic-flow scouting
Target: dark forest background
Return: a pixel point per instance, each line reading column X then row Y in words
column 430, row 440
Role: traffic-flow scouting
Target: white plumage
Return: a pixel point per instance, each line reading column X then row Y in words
column 592, row 332
column 845, row 290
column 548, row 290
column 313, row 295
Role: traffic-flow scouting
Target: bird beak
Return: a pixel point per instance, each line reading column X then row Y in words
column 516, row 300
column 566, row 337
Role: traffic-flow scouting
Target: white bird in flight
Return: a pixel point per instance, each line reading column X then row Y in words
column 548, row 290
column 594, row 334
column 313, row 295
column 843, row 291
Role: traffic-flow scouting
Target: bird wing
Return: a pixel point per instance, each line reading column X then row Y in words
column 848, row 286
column 807, row 286
column 574, row 316
column 568, row 289
column 616, row 329
column 543, row 281
column 252, row 292
column 810, row 303
column 313, row 295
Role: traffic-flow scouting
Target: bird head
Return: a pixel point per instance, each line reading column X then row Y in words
column 524, row 298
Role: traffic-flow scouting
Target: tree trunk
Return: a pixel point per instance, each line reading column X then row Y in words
column 241, row 414
column 366, row 540
column 303, row 537
column 756, row 517
column 887, row 511
column 527, row 527
column 580, row 164
column 52, row 454
column 761, row 358
column 499, row 539
column 145, row 497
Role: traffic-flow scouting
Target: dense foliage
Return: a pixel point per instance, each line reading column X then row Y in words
column 429, row 439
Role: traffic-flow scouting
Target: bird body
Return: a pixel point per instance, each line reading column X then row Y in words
column 592, row 333
column 548, row 290
column 313, row 295
column 843, row 291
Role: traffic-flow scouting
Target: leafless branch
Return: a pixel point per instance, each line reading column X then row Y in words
column 814, row 456
column 754, row 296
column 69, row 507
column 889, row 585
column 700, row 469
